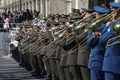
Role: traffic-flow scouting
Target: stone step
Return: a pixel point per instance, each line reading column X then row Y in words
column 9, row 68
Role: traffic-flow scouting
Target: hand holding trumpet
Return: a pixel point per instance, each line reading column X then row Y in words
column 96, row 34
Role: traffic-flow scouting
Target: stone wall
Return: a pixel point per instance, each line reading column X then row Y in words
column 50, row 6
column 58, row 6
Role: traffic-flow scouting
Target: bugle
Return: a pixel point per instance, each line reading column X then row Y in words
column 60, row 35
column 84, row 19
column 116, row 29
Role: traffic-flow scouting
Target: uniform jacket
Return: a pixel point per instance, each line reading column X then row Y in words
column 63, row 56
column 97, row 46
column 83, row 52
column 71, row 58
column 111, row 61
column 67, row 59
column 83, row 55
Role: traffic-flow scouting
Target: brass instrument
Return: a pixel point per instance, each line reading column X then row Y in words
column 116, row 26
column 113, row 41
column 30, row 46
column 52, row 45
column 102, row 19
column 60, row 35
column 116, row 29
column 93, row 26
column 81, row 43
column 90, row 24
column 22, row 46
column 84, row 19
column 49, row 53
column 84, row 28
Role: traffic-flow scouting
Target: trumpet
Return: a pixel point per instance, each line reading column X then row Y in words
column 116, row 29
column 80, row 43
column 84, row 28
column 52, row 45
column 49, row 53
column 104, row 18
column 84, row 19
column 116, row 26
column 113, row 41
column 87, row 26
column 29, row 45
column 59, row 34
column 22, row 46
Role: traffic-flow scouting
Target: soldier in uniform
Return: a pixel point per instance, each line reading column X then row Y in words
column 50, row 63
column 69, row 61
column 83, row 50
column 59, row 51
column 112, row 53
column 30, row 54
column 63, row 59
column 72, row 58
column 40, row 53
column 59, row 68
column 96, row 43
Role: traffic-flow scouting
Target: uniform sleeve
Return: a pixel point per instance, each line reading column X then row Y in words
column 61, row 42
column 101, row 27
column 108, row 28
column 70, row 45
column 91, row 41
column 107, row 36
column 90, row 32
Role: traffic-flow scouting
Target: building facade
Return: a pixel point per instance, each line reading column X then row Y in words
column 46, row 7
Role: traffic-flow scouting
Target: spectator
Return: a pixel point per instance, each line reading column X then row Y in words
column 35, row 14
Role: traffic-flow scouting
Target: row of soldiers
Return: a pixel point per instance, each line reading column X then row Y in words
column 72, row 48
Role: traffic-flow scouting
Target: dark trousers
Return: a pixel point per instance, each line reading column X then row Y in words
column 74, row 73
column 41, row 65
column 111, row 76
column 53, row 68
column 97, row 75
column 61, row 72
column 67, row 73
column 85, row 73
column 48, row 70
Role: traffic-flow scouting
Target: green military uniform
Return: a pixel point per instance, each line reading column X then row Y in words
column 82, row 61
column 39, row 55
column 63, row 60
column 72, row 59
column 50, row 63
column 83, row 55
column 59, row 68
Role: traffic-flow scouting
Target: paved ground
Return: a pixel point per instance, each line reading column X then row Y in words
column 10, row 69
column 3, row 35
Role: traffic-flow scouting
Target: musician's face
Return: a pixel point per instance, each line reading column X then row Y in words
column 88, row 15
column 42, row 40
column 114, row 14
column 97, row 15
column 62, row 26
column 69, row 34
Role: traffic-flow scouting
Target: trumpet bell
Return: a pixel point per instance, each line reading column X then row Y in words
column 116, row 27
